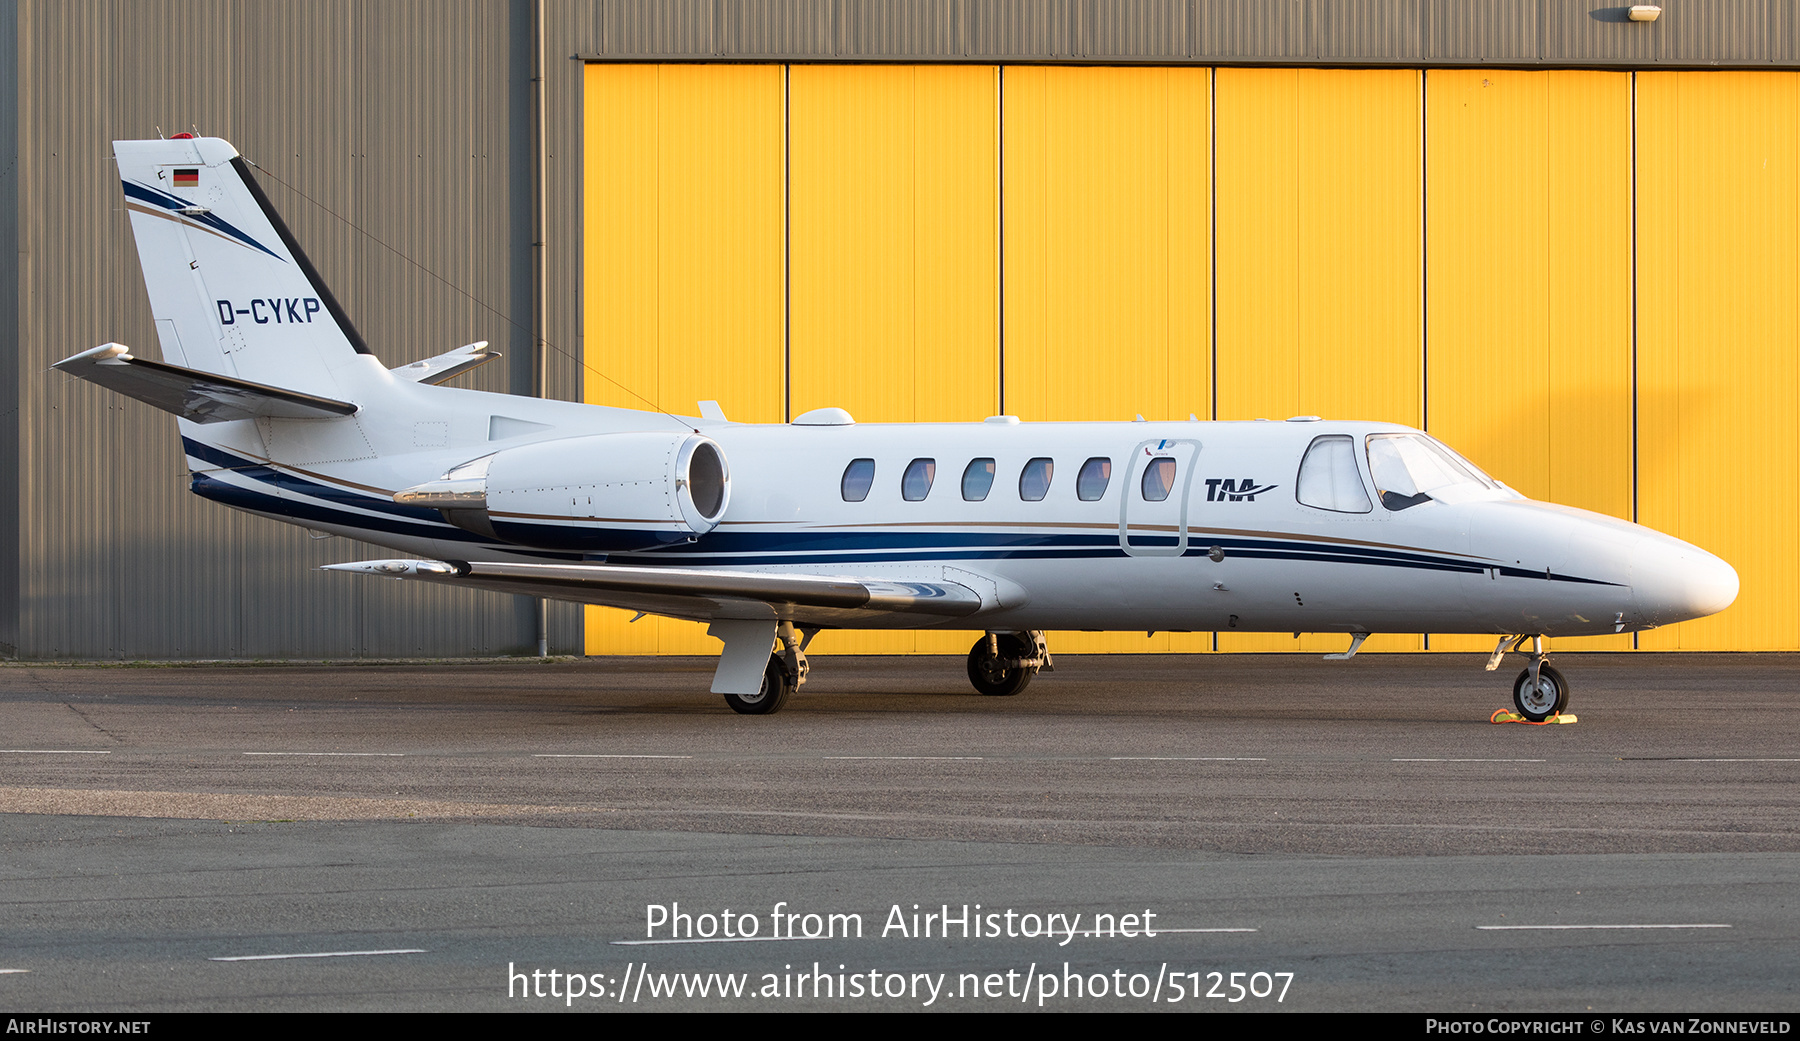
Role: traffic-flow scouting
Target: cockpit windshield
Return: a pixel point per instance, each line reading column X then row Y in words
column 1410, row 469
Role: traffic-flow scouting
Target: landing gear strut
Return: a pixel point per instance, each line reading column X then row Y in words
column 1002, row 664
column 1540, row 692
column 784, row 674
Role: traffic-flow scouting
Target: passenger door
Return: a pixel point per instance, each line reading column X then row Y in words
column 1153, row 504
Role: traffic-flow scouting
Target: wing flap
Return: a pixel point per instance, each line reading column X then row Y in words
column 200, row 396
column 690, row 593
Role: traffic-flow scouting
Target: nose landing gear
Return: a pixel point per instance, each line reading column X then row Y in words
column 1540, row 692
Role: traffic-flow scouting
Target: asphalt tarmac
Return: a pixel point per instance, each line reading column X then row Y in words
column 1344, row 836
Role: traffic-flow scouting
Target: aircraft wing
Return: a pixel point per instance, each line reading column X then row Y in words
column 701, row 595
column 203, row 397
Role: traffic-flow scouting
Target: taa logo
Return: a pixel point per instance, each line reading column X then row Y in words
column 1224, row 489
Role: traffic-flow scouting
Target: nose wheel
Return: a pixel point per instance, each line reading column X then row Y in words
column 1540, row 692
column 1539, row 698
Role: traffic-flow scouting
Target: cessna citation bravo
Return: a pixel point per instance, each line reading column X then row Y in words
column 771, row 533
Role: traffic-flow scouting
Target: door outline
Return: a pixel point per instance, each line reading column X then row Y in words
column 1185, row 451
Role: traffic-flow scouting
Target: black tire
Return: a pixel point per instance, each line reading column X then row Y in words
column 1550, row 698
column 993, row 679
column 776, row 687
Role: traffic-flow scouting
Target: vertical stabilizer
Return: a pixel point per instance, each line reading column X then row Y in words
column 231, row 291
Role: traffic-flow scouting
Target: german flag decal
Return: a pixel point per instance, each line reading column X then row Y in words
column 187, row 178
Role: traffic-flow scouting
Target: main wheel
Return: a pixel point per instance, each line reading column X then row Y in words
column 993, row 678
column 1548, row 698
column 774, row 693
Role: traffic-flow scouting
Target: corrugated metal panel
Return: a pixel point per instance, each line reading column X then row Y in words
column 1391, row 31
column 1135, row 29
column 1719, row 340
column 899, row 28
column 1784, row 34
column 1386, row 32
column 1584, row 34
column 777, row 28
column 651, row 28
column 1318, row 244
column 1529, row 260
column 9, row 328
column 123, row 562
column 894, row 242
column 1251, row 30
column 1493, row 30
column 1729, row 32
column 1023, row 29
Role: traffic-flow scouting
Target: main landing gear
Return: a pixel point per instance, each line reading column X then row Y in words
column 1540, row 692
column 1002, row 664
column 784, row 674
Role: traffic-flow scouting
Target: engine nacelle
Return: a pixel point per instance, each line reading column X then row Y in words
column 603, row 492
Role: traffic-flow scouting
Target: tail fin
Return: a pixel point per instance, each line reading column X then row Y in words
column 232, row 292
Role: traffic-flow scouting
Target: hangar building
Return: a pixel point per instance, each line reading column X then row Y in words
column 1563, row 240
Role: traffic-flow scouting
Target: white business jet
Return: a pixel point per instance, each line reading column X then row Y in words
column 771, row 533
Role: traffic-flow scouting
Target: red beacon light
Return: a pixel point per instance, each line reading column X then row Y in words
column 183, row 136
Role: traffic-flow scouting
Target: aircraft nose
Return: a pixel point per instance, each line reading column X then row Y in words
column 1672, row 581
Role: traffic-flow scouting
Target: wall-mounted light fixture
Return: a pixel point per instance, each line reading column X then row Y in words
column 1643, row 12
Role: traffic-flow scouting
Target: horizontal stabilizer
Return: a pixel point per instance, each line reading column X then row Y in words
column 200, row 396
column 448, row 365
column 690, row 593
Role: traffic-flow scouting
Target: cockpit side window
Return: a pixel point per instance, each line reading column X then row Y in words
column 858, row 477
column 1329, row 479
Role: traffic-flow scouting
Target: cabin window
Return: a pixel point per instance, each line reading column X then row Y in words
column 1329, row 479
column 1034, row 480
column 858, row 477
column 1159, row 479
column 1091, row 482
column 915, row 484
column 1410, row 469
column 978, row 477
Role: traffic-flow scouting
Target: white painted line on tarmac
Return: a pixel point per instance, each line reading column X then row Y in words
column 394, row 755
column 1160, row 930
column 1188, row 758
column 1683, row 925
column 599, row 755
column 713, row 941
column 934, row 758
column 8, row 972
column 1468, row 760
column 56, row 751
column 318, row 954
